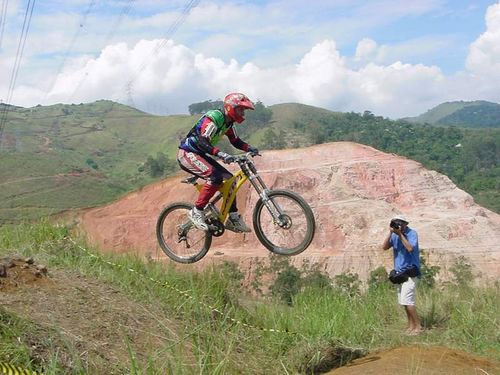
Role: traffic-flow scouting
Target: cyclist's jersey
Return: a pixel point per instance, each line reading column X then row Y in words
column 207, row 131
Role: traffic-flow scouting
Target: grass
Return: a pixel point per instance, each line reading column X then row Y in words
column 64, row 156
column 320, row 329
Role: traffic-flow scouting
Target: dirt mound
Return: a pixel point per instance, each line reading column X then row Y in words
column 16, row 272
column 419, row 360
column 75, row 311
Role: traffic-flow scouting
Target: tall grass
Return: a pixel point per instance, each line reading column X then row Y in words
column 214, row 332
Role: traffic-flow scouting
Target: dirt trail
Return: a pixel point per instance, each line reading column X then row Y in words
column 93, row 317
column 419, row 360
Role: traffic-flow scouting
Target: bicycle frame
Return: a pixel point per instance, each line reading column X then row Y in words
column 227, row 192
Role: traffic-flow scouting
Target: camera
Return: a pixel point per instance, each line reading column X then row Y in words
column 394, row 224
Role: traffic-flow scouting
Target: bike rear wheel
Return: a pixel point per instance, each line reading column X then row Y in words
column 178, row 237
column 297, row 227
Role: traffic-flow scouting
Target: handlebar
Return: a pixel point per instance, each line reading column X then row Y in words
column 244, row 157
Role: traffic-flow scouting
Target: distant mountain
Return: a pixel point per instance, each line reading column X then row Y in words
column 476, row 114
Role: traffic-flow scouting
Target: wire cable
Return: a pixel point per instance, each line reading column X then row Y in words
column 71, row 45
column 3, row 19
column 17, row 63
column 168, row 35
column 124, row 12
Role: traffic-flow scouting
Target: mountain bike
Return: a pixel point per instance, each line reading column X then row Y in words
column 282, row 220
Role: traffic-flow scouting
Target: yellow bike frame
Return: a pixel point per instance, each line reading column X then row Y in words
column 227, row 192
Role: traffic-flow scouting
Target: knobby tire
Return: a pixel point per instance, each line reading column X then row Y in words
column 262, row 224
column 167, row 226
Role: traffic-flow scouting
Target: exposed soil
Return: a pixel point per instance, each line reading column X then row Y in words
column 98, row 320
column 101, row 322
column 353, row 191
column 419, row 360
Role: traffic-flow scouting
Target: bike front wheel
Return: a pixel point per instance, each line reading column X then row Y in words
column 178, row 237
column 284, row 223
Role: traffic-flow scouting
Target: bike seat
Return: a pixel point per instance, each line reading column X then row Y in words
column 190, row 180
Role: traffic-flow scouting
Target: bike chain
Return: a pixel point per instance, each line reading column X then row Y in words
column 183, row 293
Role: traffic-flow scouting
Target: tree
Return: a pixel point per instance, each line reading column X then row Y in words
column 272, row 141
column 203, row 107
column 91, row 163
column 260, row 116
column 159, row 166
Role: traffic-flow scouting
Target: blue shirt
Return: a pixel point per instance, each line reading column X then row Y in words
column 402, row 257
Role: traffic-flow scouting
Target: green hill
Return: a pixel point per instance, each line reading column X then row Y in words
column 475, row 114
column 71, row 156
column 61, row 157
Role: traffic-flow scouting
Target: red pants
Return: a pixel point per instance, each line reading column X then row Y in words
column 207, row 168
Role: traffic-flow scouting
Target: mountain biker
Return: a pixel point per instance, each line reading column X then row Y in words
column 197, row 151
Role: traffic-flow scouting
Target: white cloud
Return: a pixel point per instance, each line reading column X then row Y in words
column 174, row 72
column 366, row 50
column 484, row 53
column 168, row 76
column 320, row 75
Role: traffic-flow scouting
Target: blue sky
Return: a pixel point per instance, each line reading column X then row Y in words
column 395, row 58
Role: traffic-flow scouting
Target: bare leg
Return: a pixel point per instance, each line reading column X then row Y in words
column 409, row 327
column 413, row 319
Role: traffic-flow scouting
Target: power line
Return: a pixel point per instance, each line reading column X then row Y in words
column 128, row 87
column 71, row 44
column 17, row 63
column 168, row 35
column 3, row 19
column 124, row 12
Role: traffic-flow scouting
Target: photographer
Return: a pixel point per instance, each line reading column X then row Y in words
column 404, row 242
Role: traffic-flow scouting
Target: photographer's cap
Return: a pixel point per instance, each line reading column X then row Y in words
column 400, row 218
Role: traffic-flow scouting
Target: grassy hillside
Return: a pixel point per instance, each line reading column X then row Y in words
column 73, row 156
column 90, row 314
column 70, row 156
column 475, row 114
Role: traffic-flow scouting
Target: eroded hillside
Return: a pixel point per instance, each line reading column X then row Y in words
column 353, row 189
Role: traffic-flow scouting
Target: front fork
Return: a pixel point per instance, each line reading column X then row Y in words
column 261, row 188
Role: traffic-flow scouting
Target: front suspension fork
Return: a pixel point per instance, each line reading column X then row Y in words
column 262, row 190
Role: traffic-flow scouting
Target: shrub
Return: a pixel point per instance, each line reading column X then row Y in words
column 428, row 273
column 462, row 273
column 287, row 284
column 348, row 284
column 378, row 279
column 313, row 277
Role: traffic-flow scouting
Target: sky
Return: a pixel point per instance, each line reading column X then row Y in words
column 395, row 58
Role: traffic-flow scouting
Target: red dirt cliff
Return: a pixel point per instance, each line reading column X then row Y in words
column 353, row 190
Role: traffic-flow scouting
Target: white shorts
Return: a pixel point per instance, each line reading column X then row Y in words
column 407, row 292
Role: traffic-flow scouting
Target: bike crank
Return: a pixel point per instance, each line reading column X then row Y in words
column 215, row 227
